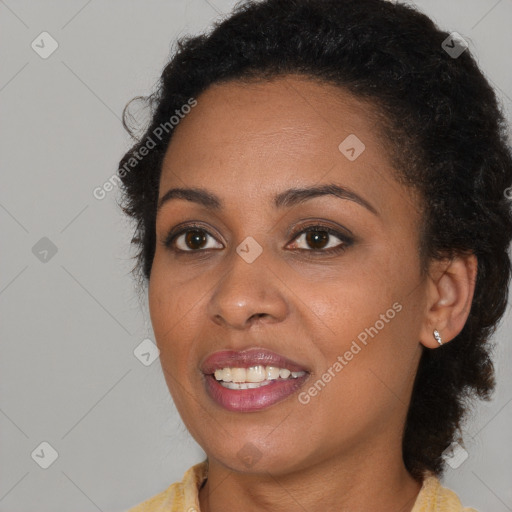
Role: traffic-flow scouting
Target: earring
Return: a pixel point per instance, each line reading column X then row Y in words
column 437, row 336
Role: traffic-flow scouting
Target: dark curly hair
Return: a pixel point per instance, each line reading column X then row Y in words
column 448, row 141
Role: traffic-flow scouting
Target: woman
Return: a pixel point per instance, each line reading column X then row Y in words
column 323, row 224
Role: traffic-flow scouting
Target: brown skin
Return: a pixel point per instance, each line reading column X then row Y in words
column 341, row 451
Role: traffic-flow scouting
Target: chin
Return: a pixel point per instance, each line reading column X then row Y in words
column 249, row 458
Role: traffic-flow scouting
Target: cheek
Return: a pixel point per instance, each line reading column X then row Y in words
column 171, row 298
column 354, row 300
column 374, row 356
column 373, row 318
column 173, row 310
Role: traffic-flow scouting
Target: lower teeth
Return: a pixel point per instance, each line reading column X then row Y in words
column 244, row 385
column 247, row 385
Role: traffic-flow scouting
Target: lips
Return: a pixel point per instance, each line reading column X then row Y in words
column 250, row 400
column 248, row 358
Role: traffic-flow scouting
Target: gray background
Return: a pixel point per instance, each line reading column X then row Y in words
column 69, row 325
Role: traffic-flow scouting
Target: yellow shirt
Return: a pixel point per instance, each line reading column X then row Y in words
column 184, row 496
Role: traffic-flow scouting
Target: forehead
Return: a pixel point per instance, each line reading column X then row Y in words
column 269, row 135
column 289, row 115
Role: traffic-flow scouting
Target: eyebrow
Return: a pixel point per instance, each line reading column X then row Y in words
column 286, row 199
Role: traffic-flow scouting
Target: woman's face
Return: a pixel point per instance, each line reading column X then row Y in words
column 259, row 282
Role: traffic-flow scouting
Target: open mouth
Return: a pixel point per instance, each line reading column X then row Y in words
column 251, row 380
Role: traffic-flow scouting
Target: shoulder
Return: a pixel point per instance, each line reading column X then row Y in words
column 180, row 496
column 433, row 497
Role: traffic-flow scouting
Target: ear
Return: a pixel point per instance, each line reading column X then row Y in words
column 451, row 285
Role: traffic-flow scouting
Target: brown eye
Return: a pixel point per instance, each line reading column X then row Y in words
column 195, row 239
column 191, row 239
column 317, row 239
column 321, row 239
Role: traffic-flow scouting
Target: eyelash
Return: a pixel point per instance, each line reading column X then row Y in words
column 346, row 241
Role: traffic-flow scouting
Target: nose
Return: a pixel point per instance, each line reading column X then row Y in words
column 246, row 294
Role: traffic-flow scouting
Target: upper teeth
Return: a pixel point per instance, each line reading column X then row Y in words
column 255, row 374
